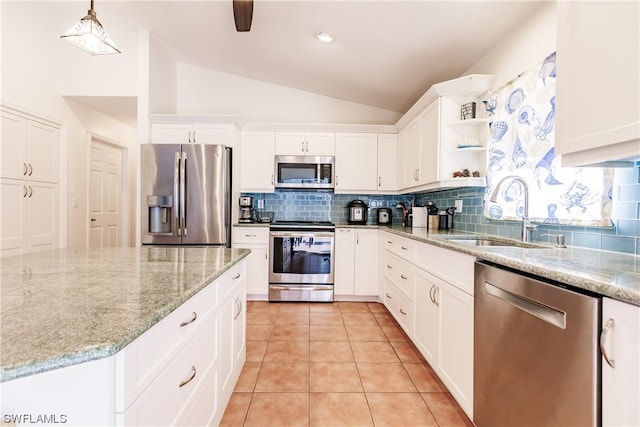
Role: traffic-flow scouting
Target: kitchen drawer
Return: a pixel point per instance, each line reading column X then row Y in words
column 229, row 281
column 251, row 235
column 401, row 273
column 451, row 266
column 141, row 361
column 406, row 248
column 164, row 402
column 399, row 306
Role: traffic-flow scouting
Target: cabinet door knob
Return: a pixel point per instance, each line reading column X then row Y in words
column 388, row 296
column 402, row 311
column 402, row 276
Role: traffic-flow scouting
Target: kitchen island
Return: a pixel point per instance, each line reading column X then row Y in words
column 66, row 309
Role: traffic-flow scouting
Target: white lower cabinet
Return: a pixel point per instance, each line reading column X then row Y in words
column 356, row 256
column 256, row 239
column 620, row 367
column 429, row 290
column 179, row 372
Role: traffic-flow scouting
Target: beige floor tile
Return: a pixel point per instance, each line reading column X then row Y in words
column 339, row 409
column 385, row 377
column 407, row 353
column 365, row 333
column 326, row 319
column 292, row 318
column 399, row 409
column 236, row 411
column 287, row 351
column 359, row 319
column 248, row 377
column 290, row 332
column 376, row 307
column 283, row 377
column 373, row 352
column 278, row 409
column 445, row 410
column 394, row 333
column 294, row 307
column 259, row 332
column 335, row 377
column 262, row 307
column 385, row 319
column 424, row 378
column 328, row 333
column 330, row 351
column 353, row 307
column 256, row 350
column 324, row 308
column 257, row 318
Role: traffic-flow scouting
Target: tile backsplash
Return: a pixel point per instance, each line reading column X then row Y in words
column 622, row 236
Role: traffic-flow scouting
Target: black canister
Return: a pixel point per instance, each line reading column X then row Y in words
column 443, row 220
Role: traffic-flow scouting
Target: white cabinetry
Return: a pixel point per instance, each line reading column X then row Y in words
column 620, row 346
column 356, row 162
column 257, row 168
column 306, row 143
column 356, row 253
column 192, row 133
column 28, row 183
column 387, row 162
column 399, row 279
column 431, row 133
column 257, row 239
column 597, row 104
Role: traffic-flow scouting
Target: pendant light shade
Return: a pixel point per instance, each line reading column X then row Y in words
column 89, row 36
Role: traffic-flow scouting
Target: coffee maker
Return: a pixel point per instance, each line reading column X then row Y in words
column 247, row 213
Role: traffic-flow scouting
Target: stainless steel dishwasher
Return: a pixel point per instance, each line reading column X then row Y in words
column 536, row 357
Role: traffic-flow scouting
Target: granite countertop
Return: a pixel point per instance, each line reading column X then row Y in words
column 612, row 274
column 64, row 307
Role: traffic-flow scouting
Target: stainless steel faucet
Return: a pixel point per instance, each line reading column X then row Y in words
column 527, row 225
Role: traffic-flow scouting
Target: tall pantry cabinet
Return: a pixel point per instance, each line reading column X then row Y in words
column 29, row 179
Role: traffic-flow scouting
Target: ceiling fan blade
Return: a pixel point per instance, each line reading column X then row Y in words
column 243, row 14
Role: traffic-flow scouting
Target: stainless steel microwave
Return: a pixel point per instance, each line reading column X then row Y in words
column 304, row 172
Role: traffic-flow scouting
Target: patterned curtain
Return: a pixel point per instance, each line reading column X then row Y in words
column 521, row 143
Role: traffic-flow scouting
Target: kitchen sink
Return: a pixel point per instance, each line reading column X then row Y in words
column 485, row 241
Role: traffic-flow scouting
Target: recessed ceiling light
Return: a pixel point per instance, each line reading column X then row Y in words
column 324, row 36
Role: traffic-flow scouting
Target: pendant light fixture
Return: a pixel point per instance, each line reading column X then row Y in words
column 89, row 35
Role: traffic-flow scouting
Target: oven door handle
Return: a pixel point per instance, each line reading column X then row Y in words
column 302, row 234
column 301, row 288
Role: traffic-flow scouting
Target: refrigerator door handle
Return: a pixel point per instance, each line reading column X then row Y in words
column 176, row 192
column 183, row 194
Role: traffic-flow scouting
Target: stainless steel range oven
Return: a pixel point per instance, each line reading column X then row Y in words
column 301, row 261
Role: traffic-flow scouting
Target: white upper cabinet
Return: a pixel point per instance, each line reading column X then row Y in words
column 420, row 148
column 306, row 143
column 192, row 133
column 29, row 149
column 257, row 161
column 387, row 162
column 356, row 162
column 598, row 82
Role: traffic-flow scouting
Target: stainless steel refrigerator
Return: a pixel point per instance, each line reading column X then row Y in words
column 186, row 194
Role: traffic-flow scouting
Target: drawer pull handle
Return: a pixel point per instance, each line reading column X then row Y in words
column 191, row 377
column 390, row 242
column 237, row 276
column 403, row 276
column 404, row 248
column 402, row 311
column 194, row 316
column 250, row 235
column 603, row 338
column 388, row 296
column 389, row 267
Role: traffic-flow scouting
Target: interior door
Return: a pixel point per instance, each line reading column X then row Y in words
column 105, row 195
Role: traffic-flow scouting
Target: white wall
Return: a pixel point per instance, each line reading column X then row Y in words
column 162, row 80
column 38, row 68
column 523, row 46
column 203, row 91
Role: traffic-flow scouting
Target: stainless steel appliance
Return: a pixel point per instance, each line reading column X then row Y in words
column 247, row 213
column 301, row 261
column 357, row 212
column 384, row 216
column 185, row 193
column 536, row 356
column 304, row 172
